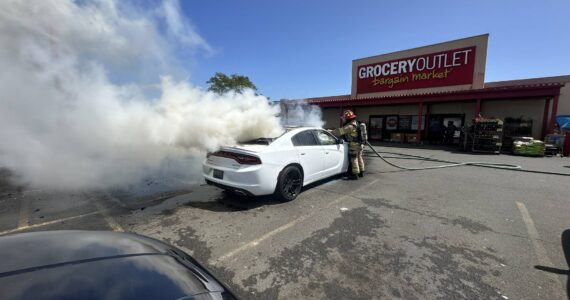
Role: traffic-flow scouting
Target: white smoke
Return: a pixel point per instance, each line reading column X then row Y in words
column 300, row 113
column 75, row 110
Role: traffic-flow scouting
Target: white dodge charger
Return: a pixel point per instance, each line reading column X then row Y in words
column 280, row 166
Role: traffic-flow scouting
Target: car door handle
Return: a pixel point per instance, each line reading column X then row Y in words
column 327, row 152
column 302, row 153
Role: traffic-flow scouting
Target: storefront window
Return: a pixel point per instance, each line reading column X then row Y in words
column 376, row 127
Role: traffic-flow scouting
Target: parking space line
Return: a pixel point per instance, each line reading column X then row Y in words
column 114, row 225
column 47, row 223
column 534, row 237
column 110, row 220
column 539, row 250
column 282, row 228
column 23, row 218
column 256, row 242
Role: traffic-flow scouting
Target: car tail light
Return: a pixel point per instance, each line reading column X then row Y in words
column 247, row 159
column 242, row 159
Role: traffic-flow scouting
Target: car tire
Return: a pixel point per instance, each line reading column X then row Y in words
column 289, row 184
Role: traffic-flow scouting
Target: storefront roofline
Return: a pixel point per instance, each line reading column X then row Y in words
column 524, row 91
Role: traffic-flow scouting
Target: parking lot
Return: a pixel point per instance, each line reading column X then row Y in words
column 454, row 233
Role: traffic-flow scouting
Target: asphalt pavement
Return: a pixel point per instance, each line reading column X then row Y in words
column 456, row 233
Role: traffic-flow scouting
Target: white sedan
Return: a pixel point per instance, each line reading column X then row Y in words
column 280, row 166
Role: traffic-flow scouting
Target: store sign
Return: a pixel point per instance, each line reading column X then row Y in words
column 452, row 67
column 392, row 123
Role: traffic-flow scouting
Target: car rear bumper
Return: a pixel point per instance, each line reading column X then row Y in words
column 238, row 191
column 251, row 180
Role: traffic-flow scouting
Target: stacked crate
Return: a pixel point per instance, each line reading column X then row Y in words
column 487, row 135
column 529, row 148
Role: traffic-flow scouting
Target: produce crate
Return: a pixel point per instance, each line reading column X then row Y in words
column 411, row 137
column 397, row 137
column 513, row 129
column 487, row 136
column 531, row 148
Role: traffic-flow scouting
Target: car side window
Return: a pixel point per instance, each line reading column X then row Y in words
column 325, row 138
column 305, row 138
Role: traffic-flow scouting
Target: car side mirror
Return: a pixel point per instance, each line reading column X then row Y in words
column 339, row 141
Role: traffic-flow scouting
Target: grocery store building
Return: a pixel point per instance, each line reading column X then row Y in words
column 406, row 93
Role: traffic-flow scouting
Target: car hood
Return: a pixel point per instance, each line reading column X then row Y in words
column 99, row 265
column 33, row 249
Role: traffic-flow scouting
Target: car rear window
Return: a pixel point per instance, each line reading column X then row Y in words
column 259, row 141
column 265, row 140
column 305, row 138
column 325, row 138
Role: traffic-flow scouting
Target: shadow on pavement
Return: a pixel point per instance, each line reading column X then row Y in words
column 229, row 202
column 323, row 182
column 566, row 248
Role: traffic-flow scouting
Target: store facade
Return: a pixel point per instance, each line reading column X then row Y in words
column 412, row 95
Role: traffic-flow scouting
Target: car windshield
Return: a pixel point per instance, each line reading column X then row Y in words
column 259, row 141
column 266, row 140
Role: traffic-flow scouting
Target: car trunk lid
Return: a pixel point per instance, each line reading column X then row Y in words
column 236, row 157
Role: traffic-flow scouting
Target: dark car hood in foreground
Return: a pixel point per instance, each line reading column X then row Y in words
column 99, row 265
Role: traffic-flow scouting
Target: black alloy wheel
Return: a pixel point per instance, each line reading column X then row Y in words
column 289, row 184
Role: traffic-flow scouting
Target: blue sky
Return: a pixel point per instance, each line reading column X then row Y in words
column 297, row 49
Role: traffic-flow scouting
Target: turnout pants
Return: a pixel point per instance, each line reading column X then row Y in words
column 356, row 160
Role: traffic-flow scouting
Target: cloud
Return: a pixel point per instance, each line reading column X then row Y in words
column 181, row 28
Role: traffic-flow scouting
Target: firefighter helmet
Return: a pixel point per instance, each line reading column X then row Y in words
column 348, row 115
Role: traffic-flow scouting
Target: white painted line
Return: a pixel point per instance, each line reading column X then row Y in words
column 273, row 232
column 256, row 242
column 23, row 218
column 110, row 220
column 534, row 237
column 539, row 250
column 104, row 212
column 48, row 223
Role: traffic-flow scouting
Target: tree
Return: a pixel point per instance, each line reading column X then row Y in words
column 221, row 83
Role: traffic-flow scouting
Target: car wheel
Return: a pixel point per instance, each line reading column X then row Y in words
column 289, row 184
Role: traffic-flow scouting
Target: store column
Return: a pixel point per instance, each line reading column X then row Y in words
column 553, row 113
column 478, row 109
column 419, row 131
column 545, row 117
column 427, row 124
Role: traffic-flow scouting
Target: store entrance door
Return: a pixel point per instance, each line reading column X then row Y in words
column 376, row 128
column 444, row 128
column 382, row 127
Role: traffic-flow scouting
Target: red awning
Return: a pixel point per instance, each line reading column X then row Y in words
column 526, row 91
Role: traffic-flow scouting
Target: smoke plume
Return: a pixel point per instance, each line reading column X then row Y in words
column 300, row 113
column 91, row 95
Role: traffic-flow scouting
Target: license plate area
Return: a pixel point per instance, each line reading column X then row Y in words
column 218, row 174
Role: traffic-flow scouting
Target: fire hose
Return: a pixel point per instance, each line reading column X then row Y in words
column 450, row 164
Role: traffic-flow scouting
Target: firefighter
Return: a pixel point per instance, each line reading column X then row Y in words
column 350, row 133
